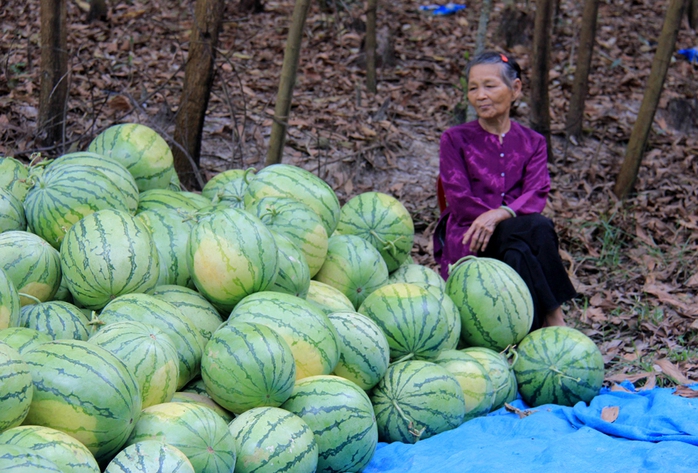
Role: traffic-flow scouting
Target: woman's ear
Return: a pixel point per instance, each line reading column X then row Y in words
column 516, row 86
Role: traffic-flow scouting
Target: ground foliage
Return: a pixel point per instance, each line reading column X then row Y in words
column 633, row 262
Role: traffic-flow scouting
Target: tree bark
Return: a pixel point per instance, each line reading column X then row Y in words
column 198, row 78
column 580, row 86
column 371, row 46
column 540, row 100
column 287, row 82
column 480, row 40
column 54, row 72
column 650, row 100
column 693, row 14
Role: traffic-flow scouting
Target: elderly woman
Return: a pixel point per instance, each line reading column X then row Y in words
column 494, row 176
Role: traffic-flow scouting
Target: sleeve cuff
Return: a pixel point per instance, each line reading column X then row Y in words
column 508, row 209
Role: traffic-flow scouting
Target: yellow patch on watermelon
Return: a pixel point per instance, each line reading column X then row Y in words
column 163, row 384
column 67, row 418
column 217, row 266
column 309, row 361
column 41, row 291
column 5, row 314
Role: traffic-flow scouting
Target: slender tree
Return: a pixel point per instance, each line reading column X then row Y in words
column 287, row 82
column 480, row 40
column 54, row 71
column 370, row 45
column 693, row 14
column 198, row 78
column 540, row 101
column 580, row 86
column 650, row 100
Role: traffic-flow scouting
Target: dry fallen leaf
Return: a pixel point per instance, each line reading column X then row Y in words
column 610, row 413
column 518, row 411
column 685, row 391
column 668, row 368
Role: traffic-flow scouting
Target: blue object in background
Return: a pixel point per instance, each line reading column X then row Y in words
column 691, row 54
column 447, row 9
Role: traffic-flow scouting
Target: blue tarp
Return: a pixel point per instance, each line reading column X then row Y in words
column 655, row 431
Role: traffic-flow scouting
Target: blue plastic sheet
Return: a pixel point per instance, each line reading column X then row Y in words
column 655, row 431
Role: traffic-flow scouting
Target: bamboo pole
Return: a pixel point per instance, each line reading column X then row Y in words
column 540, row 100
column 54, row 71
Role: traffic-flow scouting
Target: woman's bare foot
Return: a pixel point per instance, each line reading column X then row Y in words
column 555, row 318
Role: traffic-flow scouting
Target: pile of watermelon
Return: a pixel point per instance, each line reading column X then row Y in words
column 256, row 326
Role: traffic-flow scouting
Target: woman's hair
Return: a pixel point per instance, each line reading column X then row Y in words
column 510, row 72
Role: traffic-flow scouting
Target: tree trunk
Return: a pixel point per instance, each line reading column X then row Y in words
column 648, row 107
column 580, row 87
column 480, row 40
column 371, row 45
column 287, row 82
column 693, row 14
column 54, row 72
column 540, row 101
column 198, row 78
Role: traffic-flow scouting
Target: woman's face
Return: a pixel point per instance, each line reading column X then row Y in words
column 488, row 93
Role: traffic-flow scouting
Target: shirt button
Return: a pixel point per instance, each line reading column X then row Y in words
column 502, row 174
column 502, row 194
column 501, row 155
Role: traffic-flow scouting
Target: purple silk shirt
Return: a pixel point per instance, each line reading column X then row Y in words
column 479, row 174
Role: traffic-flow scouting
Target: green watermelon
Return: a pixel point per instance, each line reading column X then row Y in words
column 196, row 386
column 364, row 350
column 495, row 305
column 499, row 371
column 113, row 170
column 327, row 298
column 169, row 201
column 293, row 274
column 84, row 391
column 16, row 389
column 247, row 365
column 273, row 440
column 148, row 352
column 341, row 415
column 24, row 460
column 411, row 318
column 416, row 400
column 64, row 451
column 195, row 430
column 23, row 338
column 9, row 302
column 139, row 149
column 197, row 199
column 150, row 456
column 150, row 310
column 285, row 180
column 12, row 216
column 63, row 293
column 32, row 265
column 306, row 329
column 354, row 267
column 14, row 177
column 476, row 384
column 298, row 222
column 558, row 365
column 231, row 254
column 205, row 401
column 106, row 254
column 229, row 187
column 383, row 221
column 57, row 319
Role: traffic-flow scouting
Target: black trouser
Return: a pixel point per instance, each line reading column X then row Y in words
column 529, row 244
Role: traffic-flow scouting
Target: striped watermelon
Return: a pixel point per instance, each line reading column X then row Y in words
column 57, row 319
column 197, row 431
column 293, row 274
column 14, row 177
column 140, row 150
column 229, row 187
column 148, row 352
column 9, row 302
column 298, row 222
column 354, row 267
column 196, row 386
column 175, row 184
column 364, row 350
column 495, row 305
column 150, row 456
column 23, row 338
column 247, row 365
column 205, row 401
column 32, row 265
column 306, row 329
column 327, row 298
column 285, row 180
column 416, row 400
column 411, row 318
column 193, row 306
column 341, row 415
column 383, row 221
column 558, row 365
column 231, row 254
column 16, row 387
column 113, row 170
column 107, row 254
column 169, row 201
column 63, row 294
column 273, row 440
column 499, row 371
column 474, row 380
column 64, row 194
column 67, row 453
column 163, row 315
column 12, row 215
column 24, row 460
column 84, row 391
column 197, row 199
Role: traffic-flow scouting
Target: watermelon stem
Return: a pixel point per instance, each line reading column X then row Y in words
column 410, row 423
column 404, row 358
column 29, row 296
column 510, row 352
column 563, row 375
column 388, row 244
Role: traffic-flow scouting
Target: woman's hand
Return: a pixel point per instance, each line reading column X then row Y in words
column 481, row 230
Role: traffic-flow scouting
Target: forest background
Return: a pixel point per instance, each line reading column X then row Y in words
column 632, row 261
